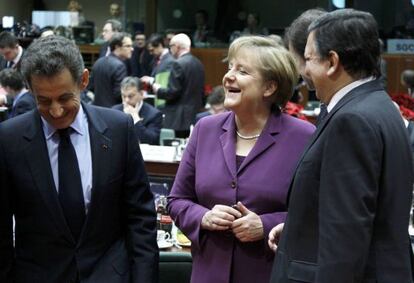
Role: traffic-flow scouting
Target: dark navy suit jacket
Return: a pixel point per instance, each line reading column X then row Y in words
column 148, row 130
column 23, row 104
column 118, row 239
column 350, row 197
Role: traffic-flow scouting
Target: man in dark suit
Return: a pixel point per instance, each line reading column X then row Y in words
column 161, row 65
column 185, row 90
column 110, row 27
column 109, row 71
column 140, row 63
column 350, row 197
column 163, row 59
column 10, row 53
column 10, row 50
column 73, row 178
column 21, row 99
column 147, row 119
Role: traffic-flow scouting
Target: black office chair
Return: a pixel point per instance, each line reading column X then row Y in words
column 175, row 267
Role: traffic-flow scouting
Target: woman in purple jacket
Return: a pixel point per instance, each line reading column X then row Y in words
column 233, row 179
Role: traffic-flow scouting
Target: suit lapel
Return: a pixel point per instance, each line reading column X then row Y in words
column 353, row 94
column 266, row 140
column 144, row 113
column 228, row 144
column 39, row 163
column 101, row 151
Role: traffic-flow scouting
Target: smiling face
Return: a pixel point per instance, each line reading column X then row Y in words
column 58, row 97
column 243, row 84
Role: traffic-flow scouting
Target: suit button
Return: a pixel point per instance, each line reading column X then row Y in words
column 233, row 184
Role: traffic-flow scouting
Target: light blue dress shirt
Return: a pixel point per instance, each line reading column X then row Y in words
column 81, row 142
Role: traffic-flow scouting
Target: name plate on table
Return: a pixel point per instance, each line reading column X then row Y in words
column 158, row 153
column 400, row 46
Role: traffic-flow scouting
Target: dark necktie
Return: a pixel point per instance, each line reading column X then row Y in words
column 10, row 64
column 70, row 184
column 322, row 114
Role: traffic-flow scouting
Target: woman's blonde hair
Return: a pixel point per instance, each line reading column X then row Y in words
column 274, row 62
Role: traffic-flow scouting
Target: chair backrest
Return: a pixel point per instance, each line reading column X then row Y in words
column 166, row 134
column 175, row 267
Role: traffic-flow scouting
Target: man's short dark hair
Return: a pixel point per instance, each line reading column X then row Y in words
column 353, row 35
column 115, row 24
column 297, row 33
column 50, row 55
column 156, row 39
column 12, row 78
column 216, row 96
column 407, row 76
column 131, row 82
column 7, row 39
column 117, row 39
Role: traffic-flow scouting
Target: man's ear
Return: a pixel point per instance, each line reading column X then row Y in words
column 84, row 79
column 334, row 63
column 270, row 89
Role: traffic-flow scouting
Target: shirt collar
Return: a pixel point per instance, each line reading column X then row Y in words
column 78, row 125
column 345, row 90
column 164, row 52
column 19, row 55
column 20, row 94
column 140, row 105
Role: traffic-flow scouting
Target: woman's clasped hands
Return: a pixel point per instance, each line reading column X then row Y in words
column 245, row 224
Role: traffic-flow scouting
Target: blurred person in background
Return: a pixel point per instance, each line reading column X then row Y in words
column 110, row 27
column 184, row 92
column 215, row 103
column 13, row 83
column 147, row 119
column 140, row 63
column 109, row 71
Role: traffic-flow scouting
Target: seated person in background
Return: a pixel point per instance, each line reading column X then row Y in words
column 46, row 31
column 147, row 119
column 215, row 102
column 253, row 27
column 407, row 80
column 202, row 30
column 10, row 49
column 21, row 99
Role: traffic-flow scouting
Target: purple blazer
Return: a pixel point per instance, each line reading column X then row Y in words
column 208, row 176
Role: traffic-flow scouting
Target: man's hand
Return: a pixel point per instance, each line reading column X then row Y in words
column 249, row 227
column 274, row 236
column 133, row 111
column 219, row 218
column 147, row 80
